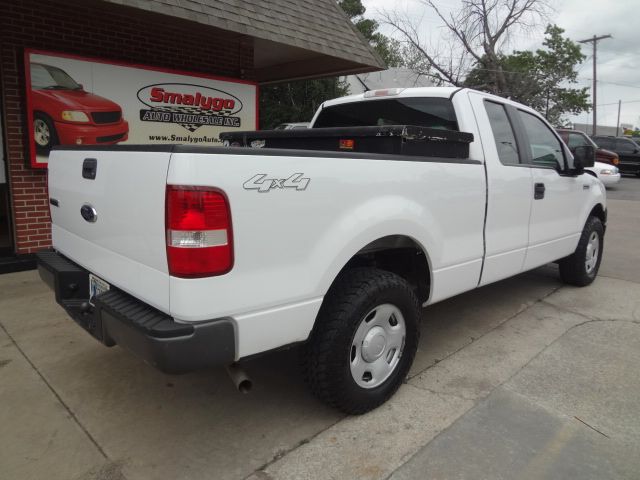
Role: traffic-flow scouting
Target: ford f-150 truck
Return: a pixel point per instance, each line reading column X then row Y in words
column 193, row 257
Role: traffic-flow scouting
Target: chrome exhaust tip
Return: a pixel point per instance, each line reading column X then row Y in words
column 239, row 378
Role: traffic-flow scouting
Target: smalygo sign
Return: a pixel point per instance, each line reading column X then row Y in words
column 190, row 106
column 74, row 100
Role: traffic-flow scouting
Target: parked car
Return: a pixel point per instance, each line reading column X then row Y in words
column 606, row 173
column 65, row 114
column 575, row 138
column 193, row 257
column 627, row 149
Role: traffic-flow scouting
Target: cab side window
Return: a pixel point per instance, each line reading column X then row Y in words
column 546, row 149
column 502, row 134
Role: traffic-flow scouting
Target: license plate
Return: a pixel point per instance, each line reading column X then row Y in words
column 96, row 287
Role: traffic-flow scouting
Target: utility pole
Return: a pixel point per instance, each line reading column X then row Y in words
column 618, row 122
column 595, row 41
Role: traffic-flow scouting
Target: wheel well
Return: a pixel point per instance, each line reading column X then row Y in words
column 398, row 254
column 600, row 213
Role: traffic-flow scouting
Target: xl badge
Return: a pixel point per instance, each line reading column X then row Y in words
column 262, row 184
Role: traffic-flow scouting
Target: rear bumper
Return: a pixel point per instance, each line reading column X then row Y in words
column 117, row 318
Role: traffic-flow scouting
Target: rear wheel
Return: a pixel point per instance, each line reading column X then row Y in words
column 364, row 340
column 582, row 266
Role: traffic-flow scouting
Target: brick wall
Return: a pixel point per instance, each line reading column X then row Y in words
column 94, row 29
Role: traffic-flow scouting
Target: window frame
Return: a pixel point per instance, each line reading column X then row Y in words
column 523, row 131
column 514, row 129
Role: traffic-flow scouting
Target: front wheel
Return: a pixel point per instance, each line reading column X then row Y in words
column 582, row 266
column 44, row 133
column 364, row 341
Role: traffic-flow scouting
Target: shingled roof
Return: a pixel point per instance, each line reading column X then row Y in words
column 317, row 27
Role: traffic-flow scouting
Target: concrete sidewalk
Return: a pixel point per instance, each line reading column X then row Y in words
column 522, row 379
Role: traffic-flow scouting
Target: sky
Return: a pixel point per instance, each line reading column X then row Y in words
column 618, row 58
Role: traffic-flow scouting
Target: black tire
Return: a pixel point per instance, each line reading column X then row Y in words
column 42, row 147
column 328, row 354
column 573, row 269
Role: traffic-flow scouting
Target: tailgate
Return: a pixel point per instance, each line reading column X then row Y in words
column 125, row 243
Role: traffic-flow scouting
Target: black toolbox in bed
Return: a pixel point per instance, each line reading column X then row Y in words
column 388, row 139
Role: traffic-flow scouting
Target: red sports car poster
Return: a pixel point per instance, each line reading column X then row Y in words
column 79, row 101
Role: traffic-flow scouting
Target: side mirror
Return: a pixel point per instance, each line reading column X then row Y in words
column 583, row 157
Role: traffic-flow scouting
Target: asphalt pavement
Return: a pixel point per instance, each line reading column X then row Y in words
column 525, row 378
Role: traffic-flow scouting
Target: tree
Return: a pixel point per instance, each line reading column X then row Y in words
column 540, row 79
column 474, row 35
column 298, row 101
column 389, row 49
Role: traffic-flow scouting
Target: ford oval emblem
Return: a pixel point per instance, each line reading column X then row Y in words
column 89, row 213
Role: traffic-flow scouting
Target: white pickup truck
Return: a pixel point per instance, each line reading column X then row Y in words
column 193, row 257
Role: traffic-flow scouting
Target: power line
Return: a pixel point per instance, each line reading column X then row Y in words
column 619, row 84
column 589, row 79
column 616, row 103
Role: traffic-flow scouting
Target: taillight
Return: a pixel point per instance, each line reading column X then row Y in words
column 199, row 234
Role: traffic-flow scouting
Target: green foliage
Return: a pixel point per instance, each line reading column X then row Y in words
column 296, row 101
column 540, row 79
column 353, row 8
column 388, row 48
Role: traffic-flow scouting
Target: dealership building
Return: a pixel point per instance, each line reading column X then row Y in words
column 190, row 65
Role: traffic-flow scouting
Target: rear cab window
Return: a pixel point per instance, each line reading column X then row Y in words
column 430, row 112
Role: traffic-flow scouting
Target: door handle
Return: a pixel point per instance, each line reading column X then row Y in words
column 538, row 191
column 89, row 168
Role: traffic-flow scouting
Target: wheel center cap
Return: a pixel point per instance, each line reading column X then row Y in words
column 374, row 344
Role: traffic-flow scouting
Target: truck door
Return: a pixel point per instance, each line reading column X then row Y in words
column 509, row 187
column 554, row 226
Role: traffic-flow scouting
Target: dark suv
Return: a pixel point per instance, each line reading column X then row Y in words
column 628, row 151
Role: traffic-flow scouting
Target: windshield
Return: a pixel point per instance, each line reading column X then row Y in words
column 46, row 77
column 419, row 111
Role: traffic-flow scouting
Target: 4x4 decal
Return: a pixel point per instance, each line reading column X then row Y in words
column 262, row 184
